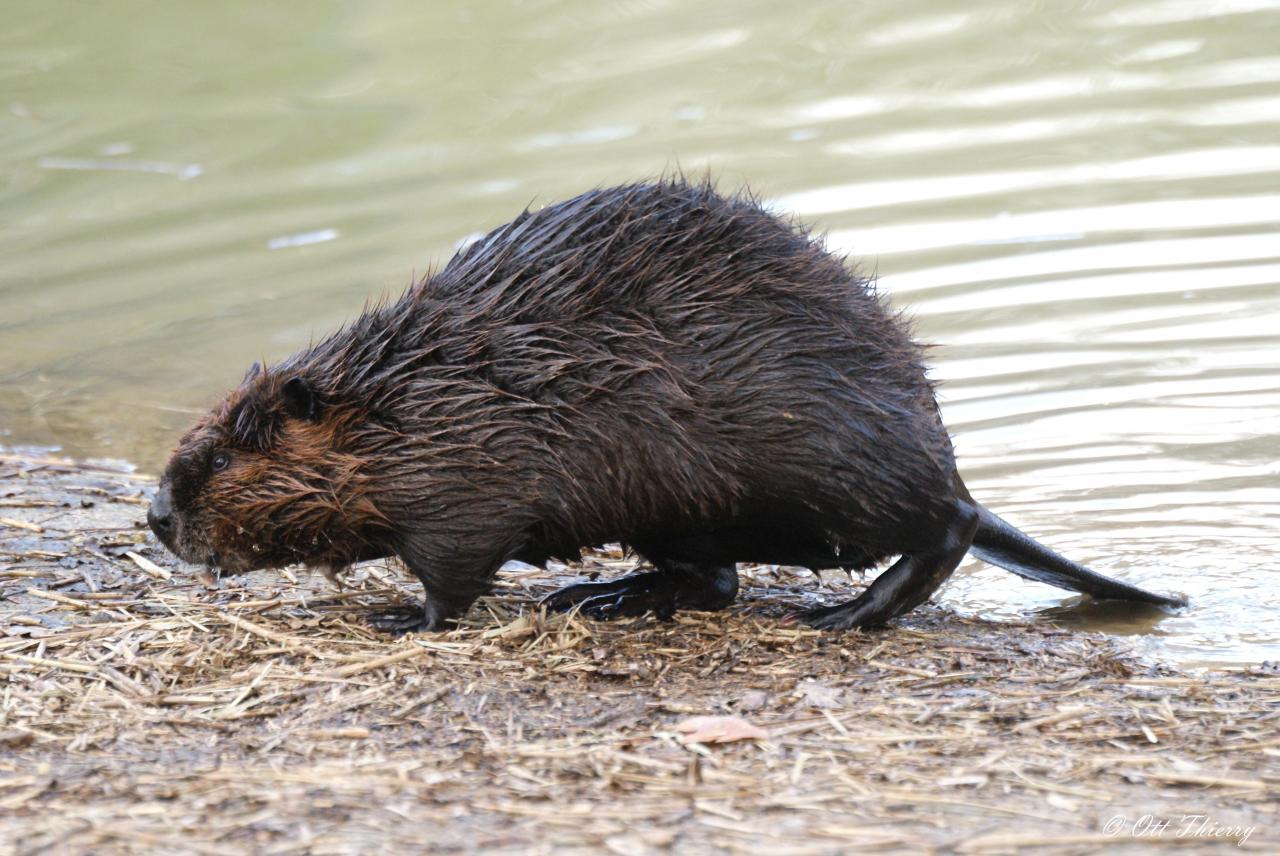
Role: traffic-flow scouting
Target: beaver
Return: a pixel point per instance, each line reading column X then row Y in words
column 658, row 365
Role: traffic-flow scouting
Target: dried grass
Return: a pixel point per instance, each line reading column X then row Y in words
column 142, row 712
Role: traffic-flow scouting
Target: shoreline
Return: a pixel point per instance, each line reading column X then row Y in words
column 146, row 711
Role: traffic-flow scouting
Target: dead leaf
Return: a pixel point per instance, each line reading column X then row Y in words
column 719, row 729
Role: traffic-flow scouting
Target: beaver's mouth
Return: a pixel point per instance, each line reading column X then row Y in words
column 217, row 565
column 222, row 564
column 196, row 544
column 177, row 545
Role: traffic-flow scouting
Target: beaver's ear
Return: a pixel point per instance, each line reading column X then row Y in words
column 300, row 400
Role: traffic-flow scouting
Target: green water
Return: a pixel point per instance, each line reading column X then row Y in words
column 1078, row 201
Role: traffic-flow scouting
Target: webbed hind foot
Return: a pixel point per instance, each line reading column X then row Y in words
column 675, row 585
column 620, row 598
column 906, row 585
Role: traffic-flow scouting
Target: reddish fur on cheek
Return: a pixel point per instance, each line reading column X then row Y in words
column 304, row 502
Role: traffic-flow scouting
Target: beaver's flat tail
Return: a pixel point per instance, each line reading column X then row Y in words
column 1001, row 544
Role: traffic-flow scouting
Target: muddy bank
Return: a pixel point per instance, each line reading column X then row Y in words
column 144, row 711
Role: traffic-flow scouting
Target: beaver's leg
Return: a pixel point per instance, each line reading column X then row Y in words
column 908, row 583
column 674, row 585
column 452, row 583
column 431, row 615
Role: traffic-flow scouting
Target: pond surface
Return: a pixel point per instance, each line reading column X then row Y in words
column 1078, row 202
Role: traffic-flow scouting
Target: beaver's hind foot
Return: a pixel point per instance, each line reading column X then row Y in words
column 675, row 585
column 907, row 584
column 620, row 598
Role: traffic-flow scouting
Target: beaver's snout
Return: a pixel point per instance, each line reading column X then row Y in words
column 160, row 516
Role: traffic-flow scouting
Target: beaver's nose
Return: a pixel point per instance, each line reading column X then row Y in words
column 160, row 514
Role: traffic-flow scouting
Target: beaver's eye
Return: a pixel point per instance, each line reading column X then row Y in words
column 220, row 461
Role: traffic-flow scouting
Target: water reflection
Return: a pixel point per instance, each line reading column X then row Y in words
column 1206, row 163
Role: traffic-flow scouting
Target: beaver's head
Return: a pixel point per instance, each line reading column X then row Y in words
column 271, row 477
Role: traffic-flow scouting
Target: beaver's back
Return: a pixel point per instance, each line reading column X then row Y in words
column 674, row 274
